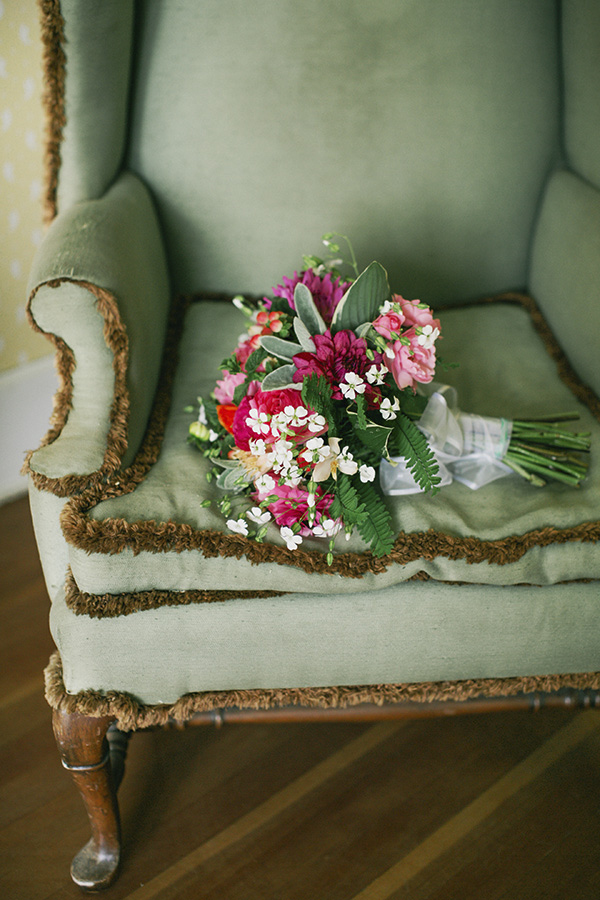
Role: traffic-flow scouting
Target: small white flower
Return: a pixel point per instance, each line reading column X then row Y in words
column 259, row 516
column 316, row 423
column 292, row 540
column 388, row 408
column 202, row 415
column 212, row 435
column 427, row 335
column 258, row 448
column 291, row 476
column 353, row 385
column 257, row 421
column 296, row 416
column 386, row 307
column 239, row 526
column 367, row 473
column 264, row 484
column 376, row 374
column 346, row 462
column 282, row 453
column 327, row 528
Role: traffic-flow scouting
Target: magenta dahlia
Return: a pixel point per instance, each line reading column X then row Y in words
column 336, row 355
column 326, row 291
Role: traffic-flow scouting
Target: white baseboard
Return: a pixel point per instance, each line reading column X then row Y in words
column 26, row 394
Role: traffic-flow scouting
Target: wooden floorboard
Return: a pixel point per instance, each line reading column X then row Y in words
column 497, row 807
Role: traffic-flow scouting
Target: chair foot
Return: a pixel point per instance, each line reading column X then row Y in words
column 84, row 749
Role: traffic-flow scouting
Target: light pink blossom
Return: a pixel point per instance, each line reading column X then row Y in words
column 226, row 386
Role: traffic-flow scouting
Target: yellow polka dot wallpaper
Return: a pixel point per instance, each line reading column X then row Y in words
column 21, row 176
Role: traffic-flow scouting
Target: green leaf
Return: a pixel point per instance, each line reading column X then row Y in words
column 278, row 379
column 374, row 437
column 362, row 300
column 307, row 310
column 277, row 347
column 410, row 443
column 254, row 360
column 234, row 480
column 375, row 526
column 303, row 335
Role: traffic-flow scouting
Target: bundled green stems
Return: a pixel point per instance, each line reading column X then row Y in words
column 541, row 449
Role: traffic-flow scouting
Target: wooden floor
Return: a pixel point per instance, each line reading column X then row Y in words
column 467, row 808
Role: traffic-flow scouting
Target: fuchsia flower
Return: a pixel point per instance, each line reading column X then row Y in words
column 293, row 504
column 327, row 292
column 335, row 356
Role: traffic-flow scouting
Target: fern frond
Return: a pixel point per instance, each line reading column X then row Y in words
column 316, row 394
column 375, row 526
column 346, row 504
column 409, row 442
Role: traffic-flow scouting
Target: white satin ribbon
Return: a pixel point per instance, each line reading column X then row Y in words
column 468, row 448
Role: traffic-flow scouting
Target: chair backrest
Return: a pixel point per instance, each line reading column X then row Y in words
column 424, row 130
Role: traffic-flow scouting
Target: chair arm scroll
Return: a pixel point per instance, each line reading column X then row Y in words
column 99, row 289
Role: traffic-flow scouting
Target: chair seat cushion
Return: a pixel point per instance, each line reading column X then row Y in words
column 150, row 537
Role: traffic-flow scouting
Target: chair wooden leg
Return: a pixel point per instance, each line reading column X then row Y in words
column 84, row 749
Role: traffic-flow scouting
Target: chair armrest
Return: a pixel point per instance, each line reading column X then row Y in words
column 99, row 289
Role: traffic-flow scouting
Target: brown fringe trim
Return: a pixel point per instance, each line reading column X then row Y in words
column 116, row 339
column 110, row 605
column 131, row 715
column 53, row 39
column 111, row 536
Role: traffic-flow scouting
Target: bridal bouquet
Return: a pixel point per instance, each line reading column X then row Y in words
column 327, row 386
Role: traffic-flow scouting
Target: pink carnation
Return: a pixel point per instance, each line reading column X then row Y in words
column 226, row 386
column 292, row 506
column 326, row 292
column 262, row 406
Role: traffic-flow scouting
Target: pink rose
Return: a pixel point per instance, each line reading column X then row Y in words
column 411, row 363
column 226, row 386
column 389, row 325
column 292, row 506
column 416, row 313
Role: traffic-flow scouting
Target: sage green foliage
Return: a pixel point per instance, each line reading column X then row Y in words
column 362, row 300
column 307, row 310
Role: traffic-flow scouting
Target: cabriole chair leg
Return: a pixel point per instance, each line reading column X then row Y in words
column 86, row 753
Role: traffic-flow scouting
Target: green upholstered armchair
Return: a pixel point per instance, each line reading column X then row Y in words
column 197, row 149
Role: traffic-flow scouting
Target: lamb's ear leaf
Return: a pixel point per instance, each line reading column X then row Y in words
column 278, row 347
column 234, row 480
column 307, row 310
column 362, row 300
column 278, row 379
column 303, row 335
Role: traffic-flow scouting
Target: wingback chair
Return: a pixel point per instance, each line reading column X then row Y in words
column 198, row 149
